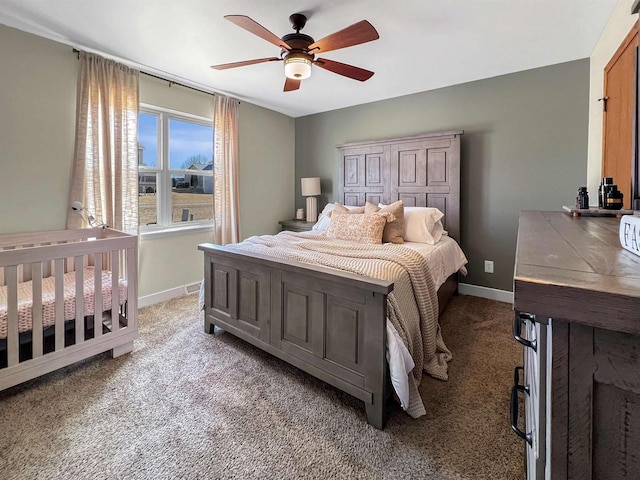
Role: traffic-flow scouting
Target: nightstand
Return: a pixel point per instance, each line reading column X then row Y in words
column 296, row 225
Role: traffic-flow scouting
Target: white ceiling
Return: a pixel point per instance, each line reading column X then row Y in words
column 423, row 45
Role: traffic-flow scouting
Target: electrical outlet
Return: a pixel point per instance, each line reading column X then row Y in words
column 488, row 266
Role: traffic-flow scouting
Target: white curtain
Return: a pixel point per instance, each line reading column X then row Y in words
column 104, row 175
column 225, row 170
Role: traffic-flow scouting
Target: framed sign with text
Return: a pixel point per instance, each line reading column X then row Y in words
column 630, row 233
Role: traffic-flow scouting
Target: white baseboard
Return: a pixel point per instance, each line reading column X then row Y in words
column 167, row 294
column 485, row 292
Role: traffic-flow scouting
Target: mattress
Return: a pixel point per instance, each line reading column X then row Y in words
column 445, row 257
column 25, row 299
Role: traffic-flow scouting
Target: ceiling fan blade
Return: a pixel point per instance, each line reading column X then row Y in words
column 291, row 84
column 356, row 34
column 344, row 69
column 224, row 66
column 254, row 27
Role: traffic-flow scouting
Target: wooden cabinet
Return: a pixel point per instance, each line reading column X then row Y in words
column 577, row 301
column 296, row 225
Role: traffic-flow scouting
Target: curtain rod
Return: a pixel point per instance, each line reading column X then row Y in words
column 171, row 82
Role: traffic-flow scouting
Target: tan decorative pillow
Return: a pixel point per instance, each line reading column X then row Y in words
column 393, row 229
column 338, row 207
column 359, row 227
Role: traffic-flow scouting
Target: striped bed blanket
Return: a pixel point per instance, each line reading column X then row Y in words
column 412, row 306
column 25, row 299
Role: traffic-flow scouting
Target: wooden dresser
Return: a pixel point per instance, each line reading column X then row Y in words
column 577, row 302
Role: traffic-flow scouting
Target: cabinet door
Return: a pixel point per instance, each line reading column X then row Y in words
column 533, row 332
column 617, row 118
column 531, row 401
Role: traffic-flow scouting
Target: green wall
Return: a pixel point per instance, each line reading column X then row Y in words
column 524, row 148
column 37, row 125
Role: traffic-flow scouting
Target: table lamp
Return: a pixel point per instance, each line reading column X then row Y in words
column 310, row 189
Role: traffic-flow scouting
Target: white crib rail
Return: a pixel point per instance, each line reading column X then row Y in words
column 36, row 256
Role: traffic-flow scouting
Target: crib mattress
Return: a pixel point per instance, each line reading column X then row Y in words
column 25, row 299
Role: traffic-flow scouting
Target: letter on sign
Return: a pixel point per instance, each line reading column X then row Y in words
column 630, row 233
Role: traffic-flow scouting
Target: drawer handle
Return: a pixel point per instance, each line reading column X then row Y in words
column 528, row 437
column 517, row 330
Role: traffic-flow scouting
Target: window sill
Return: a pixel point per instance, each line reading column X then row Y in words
column 159, row 232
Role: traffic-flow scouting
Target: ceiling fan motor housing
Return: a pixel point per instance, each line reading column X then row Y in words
column 298, row 42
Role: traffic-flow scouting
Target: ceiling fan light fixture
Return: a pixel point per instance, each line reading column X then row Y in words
column 297, row 66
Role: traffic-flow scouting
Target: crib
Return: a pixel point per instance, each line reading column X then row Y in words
column 65, row 296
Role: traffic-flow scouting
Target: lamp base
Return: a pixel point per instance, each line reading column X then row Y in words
column 312, row 209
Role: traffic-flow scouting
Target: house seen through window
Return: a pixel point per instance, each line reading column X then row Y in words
column 175, row 154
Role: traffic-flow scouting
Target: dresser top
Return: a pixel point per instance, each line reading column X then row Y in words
column 574, row 268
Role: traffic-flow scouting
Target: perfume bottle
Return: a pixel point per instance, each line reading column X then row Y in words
column 582, row 200
column 613, row 199
column 605, row 186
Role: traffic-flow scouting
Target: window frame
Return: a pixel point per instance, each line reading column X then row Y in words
column 164, row 173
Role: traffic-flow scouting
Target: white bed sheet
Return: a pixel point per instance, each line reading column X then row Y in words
column 445, row 258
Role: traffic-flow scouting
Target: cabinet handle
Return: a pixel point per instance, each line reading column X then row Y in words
column 528, row 437
column 517, row 330
column 516, row 380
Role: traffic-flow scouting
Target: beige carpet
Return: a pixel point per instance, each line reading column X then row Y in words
column 189, row 405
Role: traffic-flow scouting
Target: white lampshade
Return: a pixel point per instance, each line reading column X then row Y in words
column 297, row 66
column 310, row 186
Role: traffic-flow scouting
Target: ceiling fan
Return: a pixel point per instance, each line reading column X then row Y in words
column 299, row 50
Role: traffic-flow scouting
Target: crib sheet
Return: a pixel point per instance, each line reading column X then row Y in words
column 25, row 299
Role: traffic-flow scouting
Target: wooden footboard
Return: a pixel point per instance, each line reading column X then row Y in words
column 330, row 324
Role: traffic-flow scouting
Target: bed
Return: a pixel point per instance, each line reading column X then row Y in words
column 329, row 322
column 64, row 296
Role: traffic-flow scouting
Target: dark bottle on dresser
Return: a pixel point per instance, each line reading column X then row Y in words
column 605, row 186
column 600, row 193
column 582, row 200
column 613, row 200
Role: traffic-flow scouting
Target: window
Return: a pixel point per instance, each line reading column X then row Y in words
column 175, row 182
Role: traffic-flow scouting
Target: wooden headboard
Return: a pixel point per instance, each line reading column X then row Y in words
column 421, row 170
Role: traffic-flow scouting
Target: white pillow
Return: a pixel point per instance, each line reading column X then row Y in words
column 323, row 220
column 422, row 225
